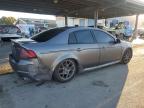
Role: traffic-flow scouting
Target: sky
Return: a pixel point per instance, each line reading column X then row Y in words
column 26, row 15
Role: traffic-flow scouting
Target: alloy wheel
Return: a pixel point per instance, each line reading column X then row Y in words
column 66, row 69
column 127, row 56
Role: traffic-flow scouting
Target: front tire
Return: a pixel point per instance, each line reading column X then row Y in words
column 65, row 71
column 127, row 56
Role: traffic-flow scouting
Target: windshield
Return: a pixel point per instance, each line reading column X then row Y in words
column 47, row 35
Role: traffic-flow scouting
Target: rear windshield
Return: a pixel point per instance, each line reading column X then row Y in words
column 9, row 30
column 47, row 35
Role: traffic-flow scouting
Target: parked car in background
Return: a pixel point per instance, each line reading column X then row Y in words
column 119, row 30
column 9, row 32
column 60, row 53
column 124, row 30
column 26, row 28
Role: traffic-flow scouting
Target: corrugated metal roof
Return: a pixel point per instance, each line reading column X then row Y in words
column 74, row 8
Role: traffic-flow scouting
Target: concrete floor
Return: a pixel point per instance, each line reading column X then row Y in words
column 116, row 86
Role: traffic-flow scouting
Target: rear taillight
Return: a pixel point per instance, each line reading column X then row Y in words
column 25, row 53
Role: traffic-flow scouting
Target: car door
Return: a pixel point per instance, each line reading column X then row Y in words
column 109, row 50
column 86, row 50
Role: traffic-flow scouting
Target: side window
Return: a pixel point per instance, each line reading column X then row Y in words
column 103, row 37
column 72, row 39
column 84, row 37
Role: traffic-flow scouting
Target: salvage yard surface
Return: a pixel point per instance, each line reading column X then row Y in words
column 116, row 86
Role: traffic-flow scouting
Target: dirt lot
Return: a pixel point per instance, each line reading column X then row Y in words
column 116, row 86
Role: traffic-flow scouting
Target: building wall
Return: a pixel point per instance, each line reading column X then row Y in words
column 76, row 21
column 141, row 21
column 60, row 21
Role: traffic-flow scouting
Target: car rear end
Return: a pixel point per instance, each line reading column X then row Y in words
column 30, row 57
column 8, row 32
column 25, row 63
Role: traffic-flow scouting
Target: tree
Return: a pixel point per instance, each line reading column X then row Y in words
column 7, row 20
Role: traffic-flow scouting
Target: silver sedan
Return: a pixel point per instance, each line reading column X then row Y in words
column 60, row 53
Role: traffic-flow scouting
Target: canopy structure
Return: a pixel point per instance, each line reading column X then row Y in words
column 76, row 8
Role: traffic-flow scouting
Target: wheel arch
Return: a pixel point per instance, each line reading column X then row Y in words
column 62, row 58
column 128, row 48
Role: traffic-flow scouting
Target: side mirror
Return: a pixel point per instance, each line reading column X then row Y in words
column 117, row 41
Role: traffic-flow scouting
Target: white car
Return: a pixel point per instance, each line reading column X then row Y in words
column 9, row 32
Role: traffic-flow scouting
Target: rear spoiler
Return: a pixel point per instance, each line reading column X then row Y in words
column 22, row 40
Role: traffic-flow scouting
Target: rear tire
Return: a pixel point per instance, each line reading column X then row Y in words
column 127, row 56
column 65, row 71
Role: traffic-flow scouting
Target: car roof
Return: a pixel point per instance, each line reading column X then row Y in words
column 75, row 28
column 72, row 29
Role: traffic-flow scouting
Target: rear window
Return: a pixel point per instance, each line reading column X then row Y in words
column 47, row 35
column 9, row 30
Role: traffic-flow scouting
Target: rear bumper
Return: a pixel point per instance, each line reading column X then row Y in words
column 29, row 69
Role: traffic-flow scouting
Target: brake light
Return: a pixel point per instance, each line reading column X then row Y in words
column 25, row 54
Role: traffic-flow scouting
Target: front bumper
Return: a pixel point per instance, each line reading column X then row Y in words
column 30, row 69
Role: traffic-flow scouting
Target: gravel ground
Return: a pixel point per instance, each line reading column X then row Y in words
column 116, row 86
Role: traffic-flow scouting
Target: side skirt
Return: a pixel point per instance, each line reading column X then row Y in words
column 100, row 66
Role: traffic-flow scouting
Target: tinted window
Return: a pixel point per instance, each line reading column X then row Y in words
column 72, row 38
column 103, row 37
column 84, row 37
column 47, row 35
